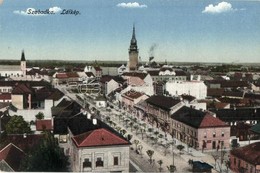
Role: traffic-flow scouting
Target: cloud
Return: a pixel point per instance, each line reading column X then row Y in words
column 34, row 12
column 221, row 7
column 131, row 5
column 55, row 9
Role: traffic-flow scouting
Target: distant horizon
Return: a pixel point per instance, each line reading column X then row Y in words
column 222, row 31
column 124, row 62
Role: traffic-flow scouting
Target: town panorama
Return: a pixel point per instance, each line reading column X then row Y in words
column 132, row 115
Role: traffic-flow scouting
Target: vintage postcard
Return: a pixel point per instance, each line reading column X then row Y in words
column 130, row 85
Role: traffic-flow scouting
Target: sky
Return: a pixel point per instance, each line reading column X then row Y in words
column 176, row 30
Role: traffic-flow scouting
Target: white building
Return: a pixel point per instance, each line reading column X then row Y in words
column 100, row 151
column 14, row 70
column 195, row 88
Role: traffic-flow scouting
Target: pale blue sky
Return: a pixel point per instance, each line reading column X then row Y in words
column 183, row 30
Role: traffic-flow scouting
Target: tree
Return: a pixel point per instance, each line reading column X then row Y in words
column 142, row 132
column 129, row 137
column 228, row 163
column 136, row 127
column 166, row 146
column 136, row 142
column 150, row 154
column 17, row 125
column 160, row 136
column 131, row 124
column 171, row 168
column 140, row 148
column 215, row 157
column 180, row 148
column 46, row 157
column 160, row 162
column 39, row 116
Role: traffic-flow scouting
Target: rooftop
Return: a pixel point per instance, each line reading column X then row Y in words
column 196, row 118
column 12, row 155
column 98, row 137
column 249, row 153
column 163, row 102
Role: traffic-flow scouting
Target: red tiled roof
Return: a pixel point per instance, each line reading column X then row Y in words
column 12, row 155
column 249, row 153
column 98, row 137
column 61, row 75
column 24, row 142
column 5, row 96
column 44, row 125
column 210, row 121
column 133, row 94
column 22, row 89
column 72, row 74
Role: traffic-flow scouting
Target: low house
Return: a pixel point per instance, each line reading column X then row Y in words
column 131, row 98
column 97, row 71
column 92, row 145
column 199, row 129
column 70, row 78
column 28, row 102
column 246, row 159
column 100, row 150
column 44, row 125
column 110, row 83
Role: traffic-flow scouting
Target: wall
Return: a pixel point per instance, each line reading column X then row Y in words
column 195, row 88
column 236, row 162
column 29, row 114
column 208, row 132
column 106, row 153
column 17, row 101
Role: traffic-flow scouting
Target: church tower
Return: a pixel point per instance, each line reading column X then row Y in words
column 23, row 64
column 133, row 53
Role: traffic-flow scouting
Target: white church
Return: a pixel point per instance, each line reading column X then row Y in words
column 14, row 71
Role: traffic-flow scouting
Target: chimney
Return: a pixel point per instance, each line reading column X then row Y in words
column 191, row 77
column 198, row 78
column 95, row 121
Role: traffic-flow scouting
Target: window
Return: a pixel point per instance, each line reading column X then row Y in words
column 238, row 163
column 116, row 160
column 235, row 161
column 99, row 162
column 205, row 135
column 87, row 163
column 214, row 134
column 222, row 134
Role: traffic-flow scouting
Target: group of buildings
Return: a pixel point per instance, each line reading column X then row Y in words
column 208, row 112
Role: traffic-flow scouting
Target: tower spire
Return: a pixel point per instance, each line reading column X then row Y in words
column 133, row 36
column 23, row 56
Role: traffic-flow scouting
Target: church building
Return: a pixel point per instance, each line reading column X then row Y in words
column 14, row 70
